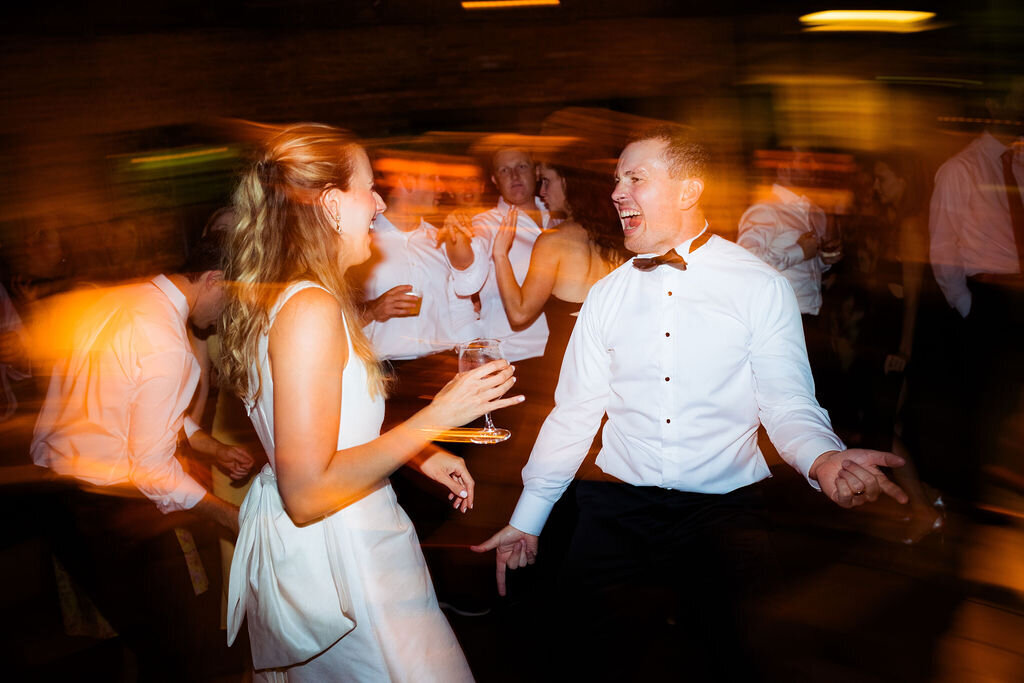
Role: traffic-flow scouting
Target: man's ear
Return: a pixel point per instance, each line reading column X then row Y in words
column 692, row 191
column 213, row 278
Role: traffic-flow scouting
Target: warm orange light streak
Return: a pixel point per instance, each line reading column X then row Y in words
column 502, row 4
column 181, row 155
column 890, row 21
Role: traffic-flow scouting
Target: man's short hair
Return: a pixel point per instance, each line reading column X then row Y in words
column 205, row 255
column 686, row 156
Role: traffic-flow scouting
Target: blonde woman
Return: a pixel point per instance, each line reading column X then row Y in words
column 328, row 568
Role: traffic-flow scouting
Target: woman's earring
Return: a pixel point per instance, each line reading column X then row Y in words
column 337, row 224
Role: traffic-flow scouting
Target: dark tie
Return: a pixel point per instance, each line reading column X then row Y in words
column 1016, row 205
column 671, row 257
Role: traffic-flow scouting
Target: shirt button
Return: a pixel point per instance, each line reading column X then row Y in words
column 668, row 421
column 667, row 334
column 666, row 379
column 670, row 293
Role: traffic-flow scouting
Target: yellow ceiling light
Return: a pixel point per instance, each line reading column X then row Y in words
column 892, row 21
column 502, row 4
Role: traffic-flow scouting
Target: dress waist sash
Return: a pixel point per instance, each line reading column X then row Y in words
column 289, row 580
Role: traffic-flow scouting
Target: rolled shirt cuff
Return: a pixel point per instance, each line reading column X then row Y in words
column 190, row 427
column 184, row 497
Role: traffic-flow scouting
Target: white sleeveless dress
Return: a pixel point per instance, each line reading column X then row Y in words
column 346, row 598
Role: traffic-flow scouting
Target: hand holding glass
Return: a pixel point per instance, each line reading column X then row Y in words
column 472, row 355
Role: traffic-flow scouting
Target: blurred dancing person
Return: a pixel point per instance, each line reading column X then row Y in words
column 327, row 568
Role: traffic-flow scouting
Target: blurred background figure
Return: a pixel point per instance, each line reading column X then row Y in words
column 411, row 308
column 136, row 530
column 875, row 301
column 566, row 259
column 791, row 234
column 977, row 253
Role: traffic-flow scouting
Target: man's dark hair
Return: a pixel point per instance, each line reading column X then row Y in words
column 686, row 156
column 205, row 255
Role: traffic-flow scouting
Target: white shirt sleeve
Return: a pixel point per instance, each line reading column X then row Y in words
column 798, row 427
column 153, row 432
column 190, row 427
column 759, row 234
column 471, row 280
column 567, row 433
column 949, row 199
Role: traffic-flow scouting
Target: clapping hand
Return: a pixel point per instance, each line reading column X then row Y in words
column 458, row 227
column 506, row 233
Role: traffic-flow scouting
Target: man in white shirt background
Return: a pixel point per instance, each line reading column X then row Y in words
column 514, row 175
column 134, row 529
column 787, row 232
column 976, row 223
column 686, row 355
column 411, row 309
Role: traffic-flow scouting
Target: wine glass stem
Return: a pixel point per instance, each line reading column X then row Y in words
column 489, row 425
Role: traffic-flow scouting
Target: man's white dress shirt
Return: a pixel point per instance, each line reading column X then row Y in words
column 412, row 258
column 686, row 364
column 480, row 277
column 771, row 230
column 117, row 401
column 970, row 225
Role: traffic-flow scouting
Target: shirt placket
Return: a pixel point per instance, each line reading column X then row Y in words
column 667, row 363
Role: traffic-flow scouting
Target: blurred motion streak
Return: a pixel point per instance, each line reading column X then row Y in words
column 890, row 21
column 502, row 4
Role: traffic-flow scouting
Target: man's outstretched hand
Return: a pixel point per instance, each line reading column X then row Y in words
column 515, row 549
column 852, row 478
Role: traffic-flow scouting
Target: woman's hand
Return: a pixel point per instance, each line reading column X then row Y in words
column 471, row 394
column 506, row 233
column 449, row 471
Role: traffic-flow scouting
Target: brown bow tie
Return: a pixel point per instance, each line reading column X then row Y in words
column 669, row 258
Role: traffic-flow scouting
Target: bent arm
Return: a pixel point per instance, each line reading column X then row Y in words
column 759, row 233
column 308, row 352
column 524, row 303
column 783, row 384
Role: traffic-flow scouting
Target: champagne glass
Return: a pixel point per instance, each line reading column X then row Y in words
column 473, row 354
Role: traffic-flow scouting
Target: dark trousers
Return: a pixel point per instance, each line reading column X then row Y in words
column 127, row 557
column 660, row 578
column 995, row 371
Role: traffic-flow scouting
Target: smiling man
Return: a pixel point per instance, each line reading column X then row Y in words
column 687, row 349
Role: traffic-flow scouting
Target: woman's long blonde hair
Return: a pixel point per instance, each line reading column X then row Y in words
column 282, row 234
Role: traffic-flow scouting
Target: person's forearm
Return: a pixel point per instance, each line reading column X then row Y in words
column 204, row 444
column 511, row 293
column 353, row 472
column 460, row 253
column 219, row 511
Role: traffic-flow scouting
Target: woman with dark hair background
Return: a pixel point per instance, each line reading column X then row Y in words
column 567, row 259
column 874, row 323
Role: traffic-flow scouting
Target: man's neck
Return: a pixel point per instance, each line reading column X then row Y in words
column 404, row 221
column 187, row 288
column 529, row 207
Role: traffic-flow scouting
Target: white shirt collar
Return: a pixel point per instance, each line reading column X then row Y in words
column 176, row 296
column 382, row 225
column 684, row 247
column 504, row 207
